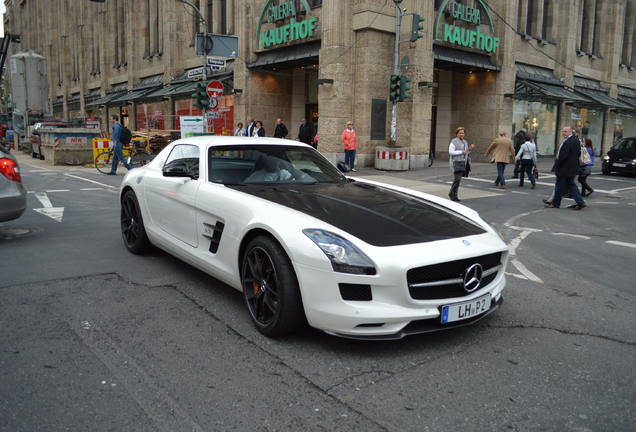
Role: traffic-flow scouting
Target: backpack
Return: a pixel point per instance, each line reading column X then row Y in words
column 584, row 157
column 125, row 136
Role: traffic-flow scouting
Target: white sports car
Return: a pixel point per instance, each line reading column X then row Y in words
column 276, row 220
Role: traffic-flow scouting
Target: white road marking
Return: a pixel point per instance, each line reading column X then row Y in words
column 521, row 193
column 55, row 213
column 606, row 202
column 572, row 235
column 525, row 229
column 631, row 204
column 518, row 276
column 91, row 181
column 539, row 183
column 618, row 243
column 91, row 189
column 58, row 190
column 615, row 191
column 515, row 242
column 524, row 271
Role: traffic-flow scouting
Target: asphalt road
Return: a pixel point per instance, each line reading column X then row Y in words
column 94, row 338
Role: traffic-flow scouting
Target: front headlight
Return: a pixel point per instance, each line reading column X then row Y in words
column 345, row 257
column 606, row 158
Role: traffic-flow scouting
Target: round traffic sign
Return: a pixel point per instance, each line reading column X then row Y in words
column 214, row 89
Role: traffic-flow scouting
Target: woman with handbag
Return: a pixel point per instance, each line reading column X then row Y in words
column 458, row 151
column 586, row 170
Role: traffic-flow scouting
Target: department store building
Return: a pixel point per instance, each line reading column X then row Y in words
column 535, row 65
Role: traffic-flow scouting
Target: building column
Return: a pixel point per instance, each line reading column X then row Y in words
column 335, row 100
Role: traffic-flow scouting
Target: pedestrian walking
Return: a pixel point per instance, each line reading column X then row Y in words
column 519, row 139
column 304, row 132
column 527, row 154
column 502, row 154
column 249, row 129
column 458, row 151
column 566, row 167
column 586, row 170
column 118, row 147
column 258, row 130
column 281, row 130
column 240, row 130
column 350, row 143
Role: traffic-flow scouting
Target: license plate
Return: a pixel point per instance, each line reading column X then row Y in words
column 620, row 165
column 465, row 310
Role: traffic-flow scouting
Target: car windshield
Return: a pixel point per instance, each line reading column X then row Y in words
column 625, row 144
column 270, row 164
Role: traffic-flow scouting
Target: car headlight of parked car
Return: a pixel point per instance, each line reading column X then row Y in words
column 345, row 257
column 606, row 158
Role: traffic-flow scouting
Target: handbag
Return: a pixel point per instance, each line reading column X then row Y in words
column 467, row 170
column 459, row 165
column 535, row 172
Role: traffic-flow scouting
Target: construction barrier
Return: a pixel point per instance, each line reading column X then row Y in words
column 103, row 144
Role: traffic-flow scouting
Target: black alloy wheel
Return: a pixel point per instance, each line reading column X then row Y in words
column 270, row 288
column 132, row 224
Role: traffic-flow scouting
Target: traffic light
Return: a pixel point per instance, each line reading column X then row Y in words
column 416, row 27
column 201, row 98
column 404, row 88
column 394, row 94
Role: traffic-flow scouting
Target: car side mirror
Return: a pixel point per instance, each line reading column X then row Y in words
column 176, row 171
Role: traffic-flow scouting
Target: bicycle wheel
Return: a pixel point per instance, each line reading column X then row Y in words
column 140, row 158
column 104, row 161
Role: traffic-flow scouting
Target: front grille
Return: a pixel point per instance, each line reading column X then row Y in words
column 446, row 280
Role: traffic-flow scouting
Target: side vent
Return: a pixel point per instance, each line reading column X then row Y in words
column 214, row 234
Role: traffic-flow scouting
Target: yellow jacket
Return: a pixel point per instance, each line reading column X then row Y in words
column 502, row 150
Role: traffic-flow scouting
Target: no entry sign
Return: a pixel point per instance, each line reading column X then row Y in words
column 215, row 89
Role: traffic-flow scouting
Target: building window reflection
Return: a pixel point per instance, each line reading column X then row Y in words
column 539, row 120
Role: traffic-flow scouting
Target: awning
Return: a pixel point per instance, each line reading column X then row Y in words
column 461, row 61
column 289, row 57
column 130, row 96
column 537, row 74
column 628, row 100
column 92, row 95
column 106, row 99
column 187, row 87
column 601, row 98
column 537, row 91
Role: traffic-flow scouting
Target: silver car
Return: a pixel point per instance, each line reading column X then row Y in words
column 12, row 192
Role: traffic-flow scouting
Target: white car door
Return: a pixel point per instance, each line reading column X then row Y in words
column 171, row 200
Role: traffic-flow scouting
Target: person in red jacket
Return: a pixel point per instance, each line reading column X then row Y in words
column 350, row 143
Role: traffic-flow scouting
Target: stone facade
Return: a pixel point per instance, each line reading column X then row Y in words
column 97, row 45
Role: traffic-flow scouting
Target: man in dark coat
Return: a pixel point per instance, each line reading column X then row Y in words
column 281, row 129
column 304, row 132
column 566, row 167
column 519, row 139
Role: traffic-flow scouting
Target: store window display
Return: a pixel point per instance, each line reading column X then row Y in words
column 589, row 124
column 539, row 120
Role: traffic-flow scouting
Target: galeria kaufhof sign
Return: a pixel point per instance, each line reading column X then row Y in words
column 289, row 27
column 465, row 37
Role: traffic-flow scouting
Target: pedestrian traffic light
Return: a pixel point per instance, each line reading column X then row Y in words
column 404, row 88
column 200, row 96
column 417, row 27
column 394, row 94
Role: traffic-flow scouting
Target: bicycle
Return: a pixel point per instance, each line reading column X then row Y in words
column 136, row 156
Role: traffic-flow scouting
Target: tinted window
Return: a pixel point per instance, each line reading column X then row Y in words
column 185, row 155
column 267, row 164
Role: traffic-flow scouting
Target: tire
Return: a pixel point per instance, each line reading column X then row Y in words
column 132, row 224
column 270, row 288
column 141, row 158
column 104, row 167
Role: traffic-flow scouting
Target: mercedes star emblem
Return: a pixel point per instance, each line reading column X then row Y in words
column 472, row 277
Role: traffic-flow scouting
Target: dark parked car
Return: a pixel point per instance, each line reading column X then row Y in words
column 621, row 157
column 12, row 193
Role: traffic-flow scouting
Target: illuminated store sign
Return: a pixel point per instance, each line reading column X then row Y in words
column 465, row 37
column 292, row 29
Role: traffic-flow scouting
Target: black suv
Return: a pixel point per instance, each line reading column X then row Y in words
column 621, row 157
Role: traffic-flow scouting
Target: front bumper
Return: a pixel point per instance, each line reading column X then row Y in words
column 391, row 314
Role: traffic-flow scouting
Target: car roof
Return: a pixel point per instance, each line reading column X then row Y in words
column 214, row 140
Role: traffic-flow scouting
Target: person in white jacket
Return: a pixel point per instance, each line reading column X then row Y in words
column 527, row 154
